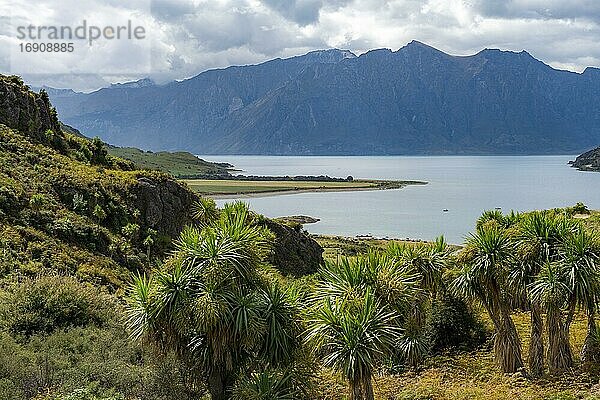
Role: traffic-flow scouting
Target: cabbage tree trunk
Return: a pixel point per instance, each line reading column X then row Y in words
column 536, row 342
column 219, row 385
column 590, row 351
column 361, row 388
column 560, row 356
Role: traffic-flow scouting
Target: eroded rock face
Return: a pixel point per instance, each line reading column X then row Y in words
column 294, row 252
column 164, row 203
column 24, row 110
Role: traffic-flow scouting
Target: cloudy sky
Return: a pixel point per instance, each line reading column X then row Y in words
column 186, row 37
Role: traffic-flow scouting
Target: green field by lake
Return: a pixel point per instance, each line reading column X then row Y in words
column 222, row 187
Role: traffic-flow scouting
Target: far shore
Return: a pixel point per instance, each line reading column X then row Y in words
column 336, row 245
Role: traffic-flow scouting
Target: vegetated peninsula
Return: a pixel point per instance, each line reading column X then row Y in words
column 216, row 180
column 588, row 161
column 264, row 186
column 416, row 100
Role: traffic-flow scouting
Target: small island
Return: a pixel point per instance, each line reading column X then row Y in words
column 294, row 220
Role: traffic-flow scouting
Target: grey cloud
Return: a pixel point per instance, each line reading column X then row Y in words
column 303, row 12
column 191, row 36
column 547, row 9
column 169, row 10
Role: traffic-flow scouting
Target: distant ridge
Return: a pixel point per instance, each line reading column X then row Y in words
column 416, row 100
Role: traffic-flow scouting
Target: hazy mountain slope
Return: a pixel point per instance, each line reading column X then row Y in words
column 180, row 115
column 417, row 100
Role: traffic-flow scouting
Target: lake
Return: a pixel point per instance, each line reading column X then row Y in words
column 464, row 185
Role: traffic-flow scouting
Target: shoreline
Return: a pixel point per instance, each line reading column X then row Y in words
column 375, row 240
column 284, row 192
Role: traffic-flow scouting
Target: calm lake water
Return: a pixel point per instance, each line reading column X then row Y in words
column 465, row 186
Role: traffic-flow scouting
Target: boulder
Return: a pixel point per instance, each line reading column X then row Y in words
column 294, row 252
column 164, row 204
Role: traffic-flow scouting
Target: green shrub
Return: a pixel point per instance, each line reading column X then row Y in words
column 98, row 151
column 451, row 324
column 578, row 208
column 50, row 303
column 88, row 394
column 81, row 232
column 11, row 193
column 86, row 364
column 9, row 390
column 131, row 231
column 38, row 201
column 79, row 203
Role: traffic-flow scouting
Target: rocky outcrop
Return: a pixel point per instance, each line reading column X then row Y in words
column 295, row 252
column 24, row 110
column 164, row 204
column 588, row 161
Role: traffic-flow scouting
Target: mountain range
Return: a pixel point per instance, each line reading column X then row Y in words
column 416, row 100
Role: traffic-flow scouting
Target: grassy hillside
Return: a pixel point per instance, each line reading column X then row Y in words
column 61, row 213
column 591, row 220
column 179, row 164
column 75, row 224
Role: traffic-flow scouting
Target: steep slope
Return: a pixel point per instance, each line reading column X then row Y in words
column 68, row 207
column 75, row 223
column 417, row 100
